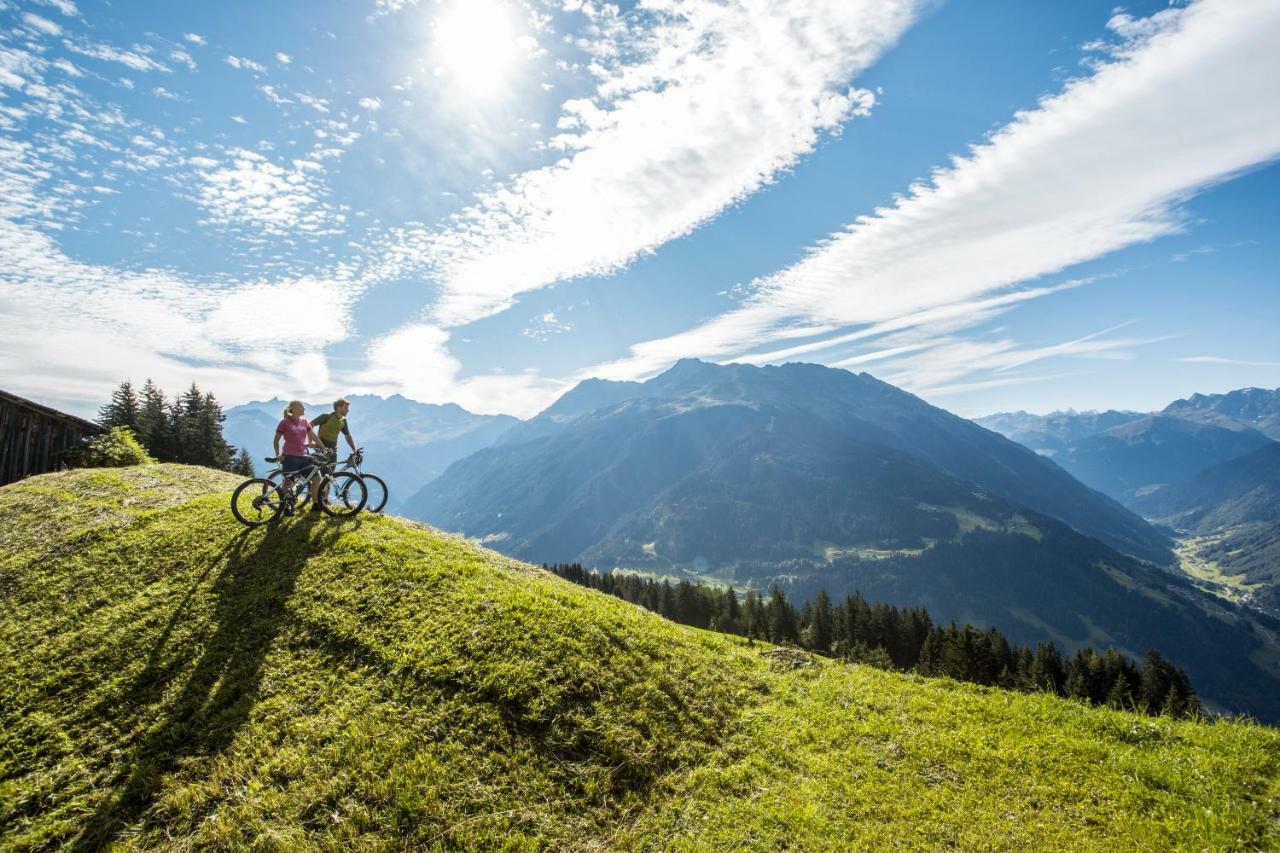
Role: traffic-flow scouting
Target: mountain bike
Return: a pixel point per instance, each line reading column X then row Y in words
column 375, row 486
column 262, row 499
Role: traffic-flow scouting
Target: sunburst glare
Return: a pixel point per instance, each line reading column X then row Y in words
column 477, row 45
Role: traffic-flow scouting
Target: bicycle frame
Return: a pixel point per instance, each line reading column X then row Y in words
column 319, row 468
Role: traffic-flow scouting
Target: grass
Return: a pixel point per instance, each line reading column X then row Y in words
column 171, row 680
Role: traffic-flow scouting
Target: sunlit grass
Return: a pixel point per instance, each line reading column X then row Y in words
column 170, row 679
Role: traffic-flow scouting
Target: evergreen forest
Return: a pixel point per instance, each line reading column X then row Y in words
column 186, row 429
column 907, row 640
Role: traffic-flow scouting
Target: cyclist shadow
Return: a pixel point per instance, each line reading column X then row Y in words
column 251, row 594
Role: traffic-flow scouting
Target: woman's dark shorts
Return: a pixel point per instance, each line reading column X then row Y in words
column 296, row 465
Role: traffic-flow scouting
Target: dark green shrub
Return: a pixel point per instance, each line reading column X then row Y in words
column 115, row 449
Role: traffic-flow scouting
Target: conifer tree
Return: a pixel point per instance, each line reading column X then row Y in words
column 243, row 465
column 1155, row 682
column 931, row 654
column 123, row 409
column 729, row 618
column 1120, row 696
column 756, row 618
column 218, row 454
column 820, row 629
column 782, row 618
column 154, row 423
column 1046, row 669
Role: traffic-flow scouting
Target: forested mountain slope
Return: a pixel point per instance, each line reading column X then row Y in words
column 662, row 430
column 1231, row 516
column 173, row 681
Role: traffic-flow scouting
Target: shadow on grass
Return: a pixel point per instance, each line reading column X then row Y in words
column 251, row 595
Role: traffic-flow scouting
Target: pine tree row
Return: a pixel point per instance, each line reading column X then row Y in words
column 907, row 639
column 187, row 429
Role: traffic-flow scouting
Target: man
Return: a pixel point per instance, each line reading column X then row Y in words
column 330, row 424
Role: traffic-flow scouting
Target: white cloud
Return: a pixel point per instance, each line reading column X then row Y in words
column 946, row 360
column 320, row 105
column 1214, row 359
column 135, row 59
column 40, row 24
column 228, row 337
column 415, row 360
column 182, row 57
column 66, row 7
column 194, row 38
column 370, row 104
column 283, row 58
column 246, row 64
column 545, row 326
column 720, row 99
column 251, row 190
column 1100, row 166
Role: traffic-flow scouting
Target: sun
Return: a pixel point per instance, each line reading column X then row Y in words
column 476, row 45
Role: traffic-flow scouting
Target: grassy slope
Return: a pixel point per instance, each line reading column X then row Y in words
column 168, row 679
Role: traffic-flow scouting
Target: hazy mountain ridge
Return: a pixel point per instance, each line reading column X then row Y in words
column 1258, row 408
column 1129, row 454
column 1140, row 456
column 1055, row 432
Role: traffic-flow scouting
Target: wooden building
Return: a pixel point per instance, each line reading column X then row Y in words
column 35, row 438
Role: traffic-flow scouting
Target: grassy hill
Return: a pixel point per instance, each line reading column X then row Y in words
column 171, row 680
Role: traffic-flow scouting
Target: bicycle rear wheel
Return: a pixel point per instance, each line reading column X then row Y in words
column 256, row 501
column 377, row 489
column 343, row 495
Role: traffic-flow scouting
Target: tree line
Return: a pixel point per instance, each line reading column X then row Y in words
column 186, row 429
column 907, row 639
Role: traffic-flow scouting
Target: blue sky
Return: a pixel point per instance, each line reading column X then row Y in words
column 996, row 205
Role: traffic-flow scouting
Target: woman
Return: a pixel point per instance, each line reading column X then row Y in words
column 297, row 434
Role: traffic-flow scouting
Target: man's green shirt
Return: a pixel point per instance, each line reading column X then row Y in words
column 328, row 426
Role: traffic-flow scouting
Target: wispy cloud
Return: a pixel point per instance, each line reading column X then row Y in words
column 948, row 359
column 545, row 326
column 1214, row 359
column 43, row 25
column 137, row 59
column 66, row 7
column 246, row 64
column 1100, row 166
column 698, row 106
column 180, row 56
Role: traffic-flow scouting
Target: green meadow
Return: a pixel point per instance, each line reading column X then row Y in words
column 172, row 680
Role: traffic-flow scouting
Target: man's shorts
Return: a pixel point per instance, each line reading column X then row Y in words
column 296, row 465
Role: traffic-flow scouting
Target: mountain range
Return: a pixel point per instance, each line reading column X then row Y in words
column 611, row 449
column 811, row 477
column 1207, row 467
column 1128, row 454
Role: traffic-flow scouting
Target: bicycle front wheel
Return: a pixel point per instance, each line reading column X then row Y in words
column 343, row 495
column 256, row 501
column 377, row 489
